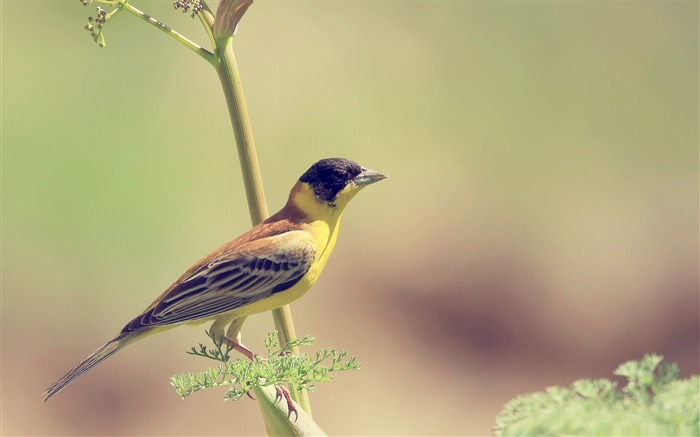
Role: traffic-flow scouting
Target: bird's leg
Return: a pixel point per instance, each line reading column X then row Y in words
column 233, row 336
column 240, row 348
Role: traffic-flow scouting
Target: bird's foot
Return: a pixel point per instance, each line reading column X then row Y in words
column 282, row 392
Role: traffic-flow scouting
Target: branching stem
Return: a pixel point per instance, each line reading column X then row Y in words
column 227, row 69
column 201, row 51
column 224, row 61
column 118, row 9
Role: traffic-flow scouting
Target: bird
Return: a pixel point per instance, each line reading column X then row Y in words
column 274, row 263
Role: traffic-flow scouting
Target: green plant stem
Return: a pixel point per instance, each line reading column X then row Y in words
column 201, row 51
column 275, row 415
column 242, row 130
column 229, row 76
column 118, row 9
column 206, row 16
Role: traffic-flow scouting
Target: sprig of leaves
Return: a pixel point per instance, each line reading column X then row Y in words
column 654, row 402
column 221, row 352
column 272, row 343
column 242, row 375
column 647, row 376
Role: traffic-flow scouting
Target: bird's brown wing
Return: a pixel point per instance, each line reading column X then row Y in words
column 232, row 280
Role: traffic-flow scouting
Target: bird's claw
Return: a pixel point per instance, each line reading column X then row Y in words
column 282, row 392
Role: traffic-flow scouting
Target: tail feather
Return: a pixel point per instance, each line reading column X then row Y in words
column 96, row 358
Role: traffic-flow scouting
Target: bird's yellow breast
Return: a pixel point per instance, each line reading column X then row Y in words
column 325, row 236
column 321, row 222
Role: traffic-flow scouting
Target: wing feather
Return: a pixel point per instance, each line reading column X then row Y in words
column 232, row 280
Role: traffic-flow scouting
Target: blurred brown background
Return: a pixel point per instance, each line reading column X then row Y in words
column 540, row 223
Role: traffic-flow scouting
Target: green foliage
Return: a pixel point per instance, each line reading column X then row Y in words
column 654, row 403
column 221, row 351
column 243, row 375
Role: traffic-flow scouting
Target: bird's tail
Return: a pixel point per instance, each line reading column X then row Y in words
column 101, row 354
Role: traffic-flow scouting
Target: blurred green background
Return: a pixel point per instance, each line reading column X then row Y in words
column 540, row 223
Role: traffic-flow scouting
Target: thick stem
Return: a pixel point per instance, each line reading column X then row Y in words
column 275, row 414
column 242, row 130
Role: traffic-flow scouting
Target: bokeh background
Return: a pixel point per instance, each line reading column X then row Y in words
column 540, row 223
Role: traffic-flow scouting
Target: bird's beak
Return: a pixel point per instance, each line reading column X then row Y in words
column 368, row 177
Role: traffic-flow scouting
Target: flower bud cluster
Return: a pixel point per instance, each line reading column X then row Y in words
column 96, row 29
column 186, row 5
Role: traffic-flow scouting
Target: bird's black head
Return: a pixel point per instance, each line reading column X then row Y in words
column 329, row 176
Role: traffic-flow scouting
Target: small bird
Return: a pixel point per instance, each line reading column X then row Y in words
column 271, row 265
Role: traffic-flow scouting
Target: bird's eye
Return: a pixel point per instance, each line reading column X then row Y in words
column 334, row 175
